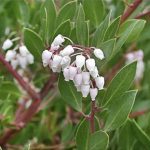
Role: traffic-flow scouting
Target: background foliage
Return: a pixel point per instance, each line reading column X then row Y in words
column 59, row 122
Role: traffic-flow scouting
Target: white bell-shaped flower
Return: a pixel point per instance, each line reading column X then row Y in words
column 59, row 39
column 30, row 58
column 66, row 74
column 99, row 53
column 85, row 89
column 68, row 50
column 90, row 64
column 85, row 77
column 80, row 61
column 10, row 55
column 7, row 44
column 54, row 48
column 94, row 72
column 14, row 63
column 78, row 79
column 23, row 50
column 72, row 72
column 56, row 60
column 22, row 61
column 65, row 62
column 100, row 82
column 46, row 56
column 93, row 93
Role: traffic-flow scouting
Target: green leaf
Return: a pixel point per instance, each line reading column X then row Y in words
column 48, row 17
column 135, row 32
column 112, row 29
column 142, row 137
column 7, row 87
column 119, row 110
column 126, row 138
column 34, row 43
column 64, row 28
column 128, row 31
column 87, row 141
column 67, row 132
column 21, row 11
column 94, row 11
column 100, row 31
column 66, row 12
column 70, row 94
column 82, row 27
column 120, row 83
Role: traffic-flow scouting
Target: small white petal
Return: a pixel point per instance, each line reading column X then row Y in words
column 93, row 93
column 85, row 89
column 46, row 56
column 65, row 62
column 30, row 58
column 68, row 50
column 94, row 73
column 78, row 88
column 59, row 39
column 66, row 74
column 90, row 64
column 100, row 82
column 10, row 55
column 7, row 44
column 14, row 63
column 80, row 61
column 57, row 60
column 72, row 72
column 22, row 61
column 23, row 50
column 85, row 77
column 99, row 53
column 78, row 79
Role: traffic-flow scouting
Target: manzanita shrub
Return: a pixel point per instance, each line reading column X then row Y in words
column 74, row 74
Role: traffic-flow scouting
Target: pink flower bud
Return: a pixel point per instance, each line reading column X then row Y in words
column 78, row 79
column 99, row 53
column 93, row 93
column 7, row 44
column 90, row 64
column 85, row 77
column 85, row 89
column 72, row 72
column 100, row 82
column 66, row 74
column 10, row 55
column 80, row 61
column 67, row 51
column 46, row 56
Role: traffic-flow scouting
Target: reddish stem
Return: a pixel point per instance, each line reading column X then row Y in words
column 143, row 15
column 138, row 113
column 92, row 115
column 131, row 8
column 23, row 83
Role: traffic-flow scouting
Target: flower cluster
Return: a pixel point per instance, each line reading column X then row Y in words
column 21, row 58
column 76, row 64
column 138, row 56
